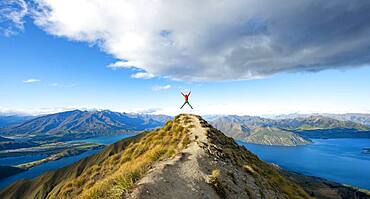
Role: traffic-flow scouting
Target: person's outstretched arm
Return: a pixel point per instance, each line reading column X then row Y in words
column 189, row 93
column 182, row 94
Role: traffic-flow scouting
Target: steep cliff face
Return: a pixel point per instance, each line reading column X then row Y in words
column 187, row 158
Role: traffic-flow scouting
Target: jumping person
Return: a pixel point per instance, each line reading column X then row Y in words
column 186, row 100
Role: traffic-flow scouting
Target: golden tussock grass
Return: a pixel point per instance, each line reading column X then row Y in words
column 120, row 172
column 214, row 179
column 264, row 174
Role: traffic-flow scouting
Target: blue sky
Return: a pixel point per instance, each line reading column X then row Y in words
column 45, row 71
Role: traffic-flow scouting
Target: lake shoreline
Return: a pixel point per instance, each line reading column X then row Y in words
column 33, row 171
column 103, row 141
column 316, row 186
column 336, row 160
column 60, row 155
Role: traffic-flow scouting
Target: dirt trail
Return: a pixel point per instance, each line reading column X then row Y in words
column 183, row 176
column 213, row 166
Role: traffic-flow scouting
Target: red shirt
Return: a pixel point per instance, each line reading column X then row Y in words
column 186, row 97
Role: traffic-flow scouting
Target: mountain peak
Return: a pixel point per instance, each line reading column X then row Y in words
column 186, row 158
column 212, row 166
column 82, row 124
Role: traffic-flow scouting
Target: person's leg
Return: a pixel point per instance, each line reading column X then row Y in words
column 183, row 105
column 190, row 105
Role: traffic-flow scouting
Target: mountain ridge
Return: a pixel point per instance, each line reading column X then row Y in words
column 82, row 124
column 187, row 158
column 288, row 132
column 257, row 132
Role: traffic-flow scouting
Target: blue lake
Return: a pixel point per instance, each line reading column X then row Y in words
column 39, row 169
column 339, row 160
column 12, row 161
column 52, row 165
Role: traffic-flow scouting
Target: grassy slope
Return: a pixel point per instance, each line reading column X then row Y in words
column 108, row 173
column 264, row 174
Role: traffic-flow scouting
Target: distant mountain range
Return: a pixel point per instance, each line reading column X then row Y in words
column 318, row 122
column 361, row 118
column 354, row 117
column 257, row 130
column 82, row 124
column 288, row 131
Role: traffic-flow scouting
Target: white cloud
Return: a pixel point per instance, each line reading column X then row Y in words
column 123, row 64
column 29, row 81
column 12, row 13
column 214, row 40
column 142, row 75
column 160, row 88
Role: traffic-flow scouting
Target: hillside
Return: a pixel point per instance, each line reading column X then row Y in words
column 82, row 124
column 275, row 136
column 187, row 158
column 248, row 131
